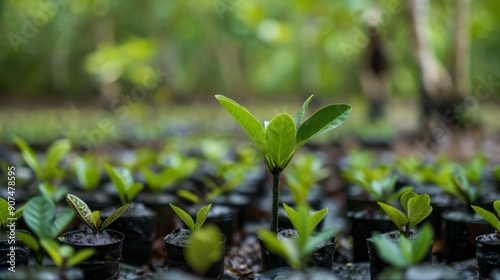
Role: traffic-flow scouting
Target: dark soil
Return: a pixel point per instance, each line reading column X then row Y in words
column 179, row 237
column 490, row 239
column 88, row 238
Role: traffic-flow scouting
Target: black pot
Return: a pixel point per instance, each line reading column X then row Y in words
column 460, row 230
column 105, row 263
column 223, row 216
column 321, row 258
column 419, row 272
column 239, row 202
column 281, row 273
column 42, row 272
column 138, row 225
column 377, row 265
column 159, row 203
column 363, row 226
column 176, row 242
column 487, row 253
column 18, row 257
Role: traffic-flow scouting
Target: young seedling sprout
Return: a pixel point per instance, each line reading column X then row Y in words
column 490, row 217
column 93, row 219
column 416, row 207
column 201, row 216
column 280, row 138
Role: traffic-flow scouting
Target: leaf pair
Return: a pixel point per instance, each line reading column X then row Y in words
column 40, row 216
column 284, row 135
column 201, row 216
column 64, row 256
column 488, row 216
column 416, row 207
column 409, row 252
column 297, row 250
column 124, row 183
column 93, row 219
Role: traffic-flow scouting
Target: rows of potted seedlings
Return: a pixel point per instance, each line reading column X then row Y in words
column 188, row 206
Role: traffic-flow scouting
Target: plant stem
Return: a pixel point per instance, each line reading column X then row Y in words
column 276, row 195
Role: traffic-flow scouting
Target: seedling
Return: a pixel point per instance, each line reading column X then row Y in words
column 280, row 139
column 409, row 252
column 93, row 219
column 48, row 169
column 9, row 215
column 364, row 176
column 52, row 193
column 124, row 183
column 416, row 207
column 179, row 168
column 303, row 174
column 201, row 216
column 206, row 242
column 297, row 250
column 40, row 216
column 87, row 173
column 460, row 187
column 64, row 256
column 490, row 217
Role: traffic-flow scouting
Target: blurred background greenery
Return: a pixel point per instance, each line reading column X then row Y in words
column 91, row 52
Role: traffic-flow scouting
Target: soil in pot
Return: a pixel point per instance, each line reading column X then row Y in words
column 20, row 254
column 42, row 272
column 487, row 253
column 364, row 224
column 223, row 216
column 459, row 232
column 176, row 242
column 138, row 225
column 377, row 265
column 105, row 263
column 321, row 258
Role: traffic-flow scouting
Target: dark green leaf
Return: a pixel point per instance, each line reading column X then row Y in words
column 38, row 215
column 115, row 215
column 61, row 221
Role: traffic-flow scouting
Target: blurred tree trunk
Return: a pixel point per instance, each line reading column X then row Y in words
column 441, row 94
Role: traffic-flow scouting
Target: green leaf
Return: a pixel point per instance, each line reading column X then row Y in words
column 47, row 190
column 273, row 244
column 317, row 239
column 19, row 212
column 496, row 205
column 4, row 211
column 322, row 121
column 422, row 242
column 389, row 252
column 81, row 209
column 59, row 194
column 488, row 216
column 418, row 209
column 316, row 218
column 61, row 221
column 399, row 219
column 292, row 215
column 80, row 256
column 87, row 174
column 29, row 156
column 118, row 182
column 297, row 118
column 96, row 218
column 38, row 215
column 52, row 249
column 205, row 249
column 184, row 217
column 247, row 121
column 115, row 215
column 133, row 190
column 405, row 245
column 189, row 196
column 201, row 216
column 280, row 138
column 28, row 240
column 405, row 198
column 56, row 152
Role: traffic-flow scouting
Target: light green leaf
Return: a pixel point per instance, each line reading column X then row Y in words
column 280, row 138
column 87, row 174
column 29, row 156
column 389, row 252
column 406, row 248
column 52, row 249
column 317, row 239
column 322, row 121
column 201, row 216
column 292, row 215
column 418, row 209
column 496, row 205
column 247, row 121
column 297, row 118
column 4, row 211
column 56, row 152
column 488, row 216
column 133, row 190
column 273, row 244
column 81, row 209
column 184, row 217
column 115, row 215
column 399, row 219
column 189, row 196
column 28, row 240
column 96, row 219
column 422, row 242
column 118, row 182
column 38, row 215
column 80, row 256
column 205, row 249
column 405, row 198
column 61, row 221
column 316, row 218
column 19, row 212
